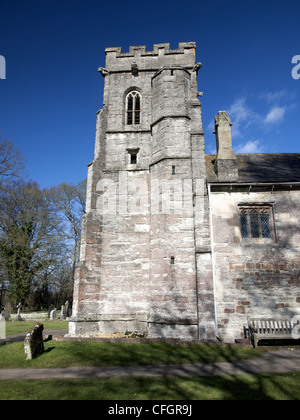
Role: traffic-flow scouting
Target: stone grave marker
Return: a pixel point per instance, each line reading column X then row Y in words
column 33, row 343
column 53, row 314
column 6, row 315
column 51, row 307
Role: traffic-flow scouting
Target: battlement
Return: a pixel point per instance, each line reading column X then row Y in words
column 158, row 49
column 150, row 59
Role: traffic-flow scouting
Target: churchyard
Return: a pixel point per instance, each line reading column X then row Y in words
column 62, row 354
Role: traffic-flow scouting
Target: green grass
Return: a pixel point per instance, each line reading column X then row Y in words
column 243, row 387
column 25, row 326
column 65, row 354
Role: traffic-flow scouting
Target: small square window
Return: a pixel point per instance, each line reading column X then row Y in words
column 132, row 156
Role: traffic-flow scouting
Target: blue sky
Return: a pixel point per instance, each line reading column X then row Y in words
column 52, row 90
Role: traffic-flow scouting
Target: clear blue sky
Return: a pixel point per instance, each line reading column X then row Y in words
column 52, row 91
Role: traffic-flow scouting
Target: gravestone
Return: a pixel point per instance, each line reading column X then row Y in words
column 33, row 343
column 8, row 307
column 7, row 311
column 63, row 312
column 51, row 307
column 6, row 315
column 18, row 317
column 53, row 314
column 67, row 307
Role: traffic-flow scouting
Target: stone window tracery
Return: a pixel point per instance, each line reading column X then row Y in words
column 133, row 108
column 256, row 222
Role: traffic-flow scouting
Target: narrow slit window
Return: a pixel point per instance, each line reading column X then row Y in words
column 133, row 108
column 173, row 170
column 133, row 158
column 172, row 260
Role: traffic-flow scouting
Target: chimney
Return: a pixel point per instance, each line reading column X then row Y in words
column 226, row 166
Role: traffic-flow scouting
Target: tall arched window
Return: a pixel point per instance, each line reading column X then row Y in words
column 133, row 108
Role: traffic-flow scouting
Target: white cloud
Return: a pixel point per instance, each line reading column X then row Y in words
column 241, row 116
column 211, row 126
column 275, row 115
column 251, row 124
column 273, row 97
column 250, row 147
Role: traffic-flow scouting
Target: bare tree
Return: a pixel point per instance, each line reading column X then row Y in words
column 11, row 161
column 69, row 200
column 30, row 236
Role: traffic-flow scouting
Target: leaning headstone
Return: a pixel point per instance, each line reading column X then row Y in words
column 33, row 343
column 53, row 314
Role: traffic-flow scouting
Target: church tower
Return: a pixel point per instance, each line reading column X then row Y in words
column 145, row 263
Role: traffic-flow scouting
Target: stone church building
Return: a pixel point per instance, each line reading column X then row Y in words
column 177, row 243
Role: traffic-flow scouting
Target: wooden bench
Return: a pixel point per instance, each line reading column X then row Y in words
column 269, row 329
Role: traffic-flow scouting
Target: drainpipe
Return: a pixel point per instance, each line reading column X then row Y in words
column 213, row 261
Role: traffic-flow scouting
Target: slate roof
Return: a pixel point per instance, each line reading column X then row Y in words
column 262, row 167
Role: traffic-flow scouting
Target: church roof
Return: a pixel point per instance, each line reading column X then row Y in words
column 261, row 167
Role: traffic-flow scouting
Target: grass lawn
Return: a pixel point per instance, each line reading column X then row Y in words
column 25, row 326
column 242, row 387
column 65, row 354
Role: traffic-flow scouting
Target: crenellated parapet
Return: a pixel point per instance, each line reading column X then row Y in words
column 160, row 56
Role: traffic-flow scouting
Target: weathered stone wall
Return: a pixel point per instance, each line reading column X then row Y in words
column 172, row 251
column 148, row 265
column 258, row 277
column 138, row 268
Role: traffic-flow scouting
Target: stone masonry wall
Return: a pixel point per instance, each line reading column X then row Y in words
column 144, row 221
column 256, row 278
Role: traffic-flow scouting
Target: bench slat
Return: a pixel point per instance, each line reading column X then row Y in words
column 268, row 329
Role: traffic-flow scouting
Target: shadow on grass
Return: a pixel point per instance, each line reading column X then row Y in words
column 238, row 387
column 235, row 387
column 247, row 387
